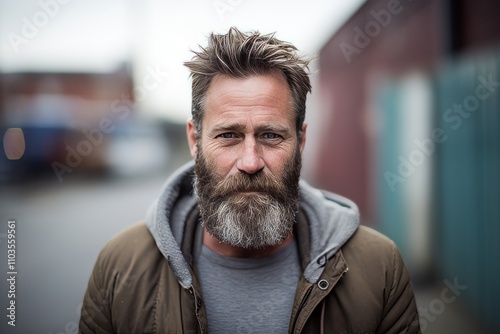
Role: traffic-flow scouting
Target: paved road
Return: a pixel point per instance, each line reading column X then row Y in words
column 60, row 229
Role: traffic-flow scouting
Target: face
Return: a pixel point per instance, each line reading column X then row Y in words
column 248, row 160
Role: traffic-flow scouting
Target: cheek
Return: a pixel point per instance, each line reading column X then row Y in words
column 276, row 161
column 222, row 160
column 224, row 165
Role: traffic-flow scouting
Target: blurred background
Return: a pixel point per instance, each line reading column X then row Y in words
column 403, row 119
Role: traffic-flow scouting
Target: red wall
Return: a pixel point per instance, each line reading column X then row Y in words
column 411, row 39
column 418, row 35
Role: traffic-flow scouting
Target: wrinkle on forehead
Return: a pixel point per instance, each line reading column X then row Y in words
column 251, row 87
column 258, row 95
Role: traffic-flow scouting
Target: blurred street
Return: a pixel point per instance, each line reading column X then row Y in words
column 61, row 228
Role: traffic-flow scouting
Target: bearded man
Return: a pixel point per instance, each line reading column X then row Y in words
column 236, row 242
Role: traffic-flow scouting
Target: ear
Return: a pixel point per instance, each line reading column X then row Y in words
column 302, row 139
column 191, row 137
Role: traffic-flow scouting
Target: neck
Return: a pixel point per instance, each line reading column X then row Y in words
column 228, row 250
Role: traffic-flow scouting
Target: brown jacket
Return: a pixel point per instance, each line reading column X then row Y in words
column 358, row 284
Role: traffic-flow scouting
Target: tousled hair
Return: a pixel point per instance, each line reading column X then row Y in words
column 241, row 55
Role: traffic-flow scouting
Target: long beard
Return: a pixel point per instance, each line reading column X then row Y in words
column 260, row 219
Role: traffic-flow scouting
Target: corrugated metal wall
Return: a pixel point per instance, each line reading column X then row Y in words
column 463, row 222
column 468, row 180
column 406, row 152
column 392, row 209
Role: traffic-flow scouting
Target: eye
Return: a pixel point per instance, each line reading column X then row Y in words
column 271, row 136
column 227, row 135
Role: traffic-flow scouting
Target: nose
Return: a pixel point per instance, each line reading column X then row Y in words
column 250, row 160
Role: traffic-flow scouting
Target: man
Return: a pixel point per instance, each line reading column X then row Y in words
column 236, row 243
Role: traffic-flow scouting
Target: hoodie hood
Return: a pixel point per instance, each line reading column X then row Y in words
column 332, row 220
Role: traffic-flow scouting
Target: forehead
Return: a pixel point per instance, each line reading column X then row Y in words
column 258, row 98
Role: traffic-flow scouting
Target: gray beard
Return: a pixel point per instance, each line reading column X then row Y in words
column 252, row 221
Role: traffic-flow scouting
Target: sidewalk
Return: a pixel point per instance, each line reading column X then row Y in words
column 453, row 318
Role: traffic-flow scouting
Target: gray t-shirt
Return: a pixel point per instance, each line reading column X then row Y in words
column 249, row 295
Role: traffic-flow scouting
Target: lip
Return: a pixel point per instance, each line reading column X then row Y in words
column 250, row 192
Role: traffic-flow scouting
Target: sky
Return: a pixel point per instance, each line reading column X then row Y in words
column 154, row 36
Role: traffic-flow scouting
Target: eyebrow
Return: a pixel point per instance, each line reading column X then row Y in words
column 229, row 127
column 238, row 127
column 273, row 128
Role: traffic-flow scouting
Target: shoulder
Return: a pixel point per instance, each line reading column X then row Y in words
column 132, row 247
column 367, row 240
column 130, row 263
column 374, row 265
column 135, row 236
column 372, row 253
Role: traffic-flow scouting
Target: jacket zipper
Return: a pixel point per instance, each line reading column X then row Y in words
column 301, row 306
column 197, row 305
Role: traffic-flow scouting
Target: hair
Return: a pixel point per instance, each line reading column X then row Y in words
column 241, row 55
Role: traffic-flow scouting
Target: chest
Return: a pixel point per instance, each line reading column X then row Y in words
column 249, row 298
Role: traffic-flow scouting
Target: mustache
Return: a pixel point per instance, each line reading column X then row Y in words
column 242, row 182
